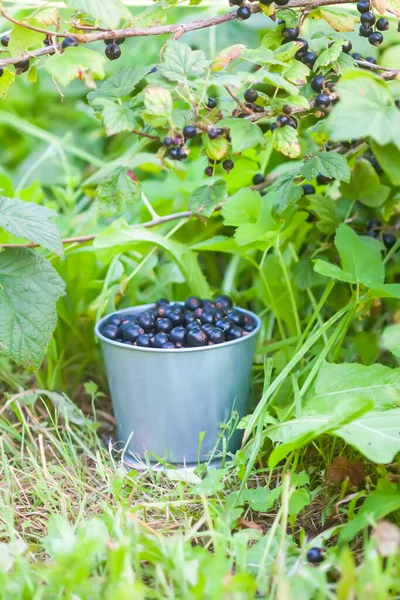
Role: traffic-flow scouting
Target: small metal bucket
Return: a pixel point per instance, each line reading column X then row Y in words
column 170, row 404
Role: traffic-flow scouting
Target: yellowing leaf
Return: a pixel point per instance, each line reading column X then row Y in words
column 268, row 9
column 338, row 20
column 380, row 6
column 226, row 56
column 215, row 149
column 5, row 81
column 158, row 103
column 285, row 140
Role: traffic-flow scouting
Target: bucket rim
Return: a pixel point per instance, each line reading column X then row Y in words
column 143, row 307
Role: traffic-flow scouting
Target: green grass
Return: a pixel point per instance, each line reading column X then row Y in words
column 74, row 523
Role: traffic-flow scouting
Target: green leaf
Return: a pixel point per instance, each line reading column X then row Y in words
column 369, row 97
column 107, row 12
column 244, row 134
column 278, row 80
column 120, row 84
column 288, row 15
column 286, row 141
column 298, row 74
column 215, row 149
column 117, row 117
column 388, row 157
column 379, row 503
column 329, row 55
column 361, row 259
column 76, row 62
column 226, row 56
column 121, row 237
column 204, row 199
column 376, row 435
column 328, row 217
column 365, row 185
column 158, row 104
column 29, row 290
column 23, row 39
column 346, row 382
column 117, row 191
column 330, row 164
column 31, row 221
column 180, row 62
column 242, row 207
column 391, row 339
column 5, row 81
column 219, row 243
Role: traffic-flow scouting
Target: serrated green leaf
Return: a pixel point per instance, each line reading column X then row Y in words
column 278, row 80
column 288, row 15
column 205, row 198
column 181, row 62
column 326, row 211
column 107, row 12
column 215, row 149
column 31, row 221
column 286, row 141
column 242, row 207
column 244, row 134
column 298, row 74
column 388, row 157
column 120, row 83
column 369, row 97
column 391, row 339
column 117, row 191
column 329, row 55
column 29, row 290
column 158, row 105
column 273, row 38
column 330, row 164
column 364, row 180
column 5, row 81
column 121, row 237
column 117, row 117
column 76, row 62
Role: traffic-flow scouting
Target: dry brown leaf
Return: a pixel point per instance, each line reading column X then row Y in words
column 343, row 468
column 250, row 524
column 387, row 536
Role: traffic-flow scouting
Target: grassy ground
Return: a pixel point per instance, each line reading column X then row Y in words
column 74, row 523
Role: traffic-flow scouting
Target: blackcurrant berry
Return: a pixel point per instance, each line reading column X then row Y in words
column 167, row 142
column 209, row 171
column 188, row 317
column 5, row 40
column 160, row 339
column 322, row 179
column 207, row 316
column 364, row 31
column 144, row 340
column 193, row 303
column 213, row 134
column 236, row 317
column 173, row 153
column 322, row 100
column 113, row 51
column 363, row 6
column 282, row 120
column 110, row 331
column 196, row 338
column 208, row 304
column 308, row 189
column 235, row 333
column 249, row 323
column 281, row 2
column 176, row 316
column 290, row 33
column 114, row 320
column 303, row 48
column 389, row 240
column 347, row 47
column 317, row 83
column 376, row 38
column 182, row 155
column 118, row 41
column 315, row 556
column 169, row 346
column 178, row 336
column 235, row 2
column 22, row 66
column 243, row 13
column 223, row 324
column 309, row 59
column 357, row 56
column 250, row 95
column 367, row 19
column 146, row 321
column 373, row 224
column 211, row 103
column 131, row 333
column 189, row 131
column 228, row 165
column 164, row 324
column 224, row 302
column 371, row 60
column 207, row 327
column 292, row 122
column 216, row 336
column 69, row 42
column 47, row 41
column 258, row 179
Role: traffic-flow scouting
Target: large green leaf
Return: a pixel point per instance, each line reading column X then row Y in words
column 31, row 221
column 117, row 117
column 205, row 198
column 120, row 84
column 346, row 382
column 107, row 12
column 286, row 140
column 76, row 62
column 391, row 339
column 118, row 190
column 244, row 134
column 29, row 290
column 366, row 109
column 121, row 237
column 330, row 164
column 180, row 62
column 158, row 105
column 388, row 157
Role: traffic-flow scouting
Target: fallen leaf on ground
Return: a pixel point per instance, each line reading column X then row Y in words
column 342, row 469
column 387, row 536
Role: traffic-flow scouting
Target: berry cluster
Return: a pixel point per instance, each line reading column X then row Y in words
column 368, row 20
column 373, row 229
column 170, row 325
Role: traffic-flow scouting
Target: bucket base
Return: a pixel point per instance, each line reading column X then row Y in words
column 137, row 463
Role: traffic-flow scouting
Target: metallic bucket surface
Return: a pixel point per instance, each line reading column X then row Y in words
column 165, row 399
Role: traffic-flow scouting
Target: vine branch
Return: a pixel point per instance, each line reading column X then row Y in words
column 129, row 32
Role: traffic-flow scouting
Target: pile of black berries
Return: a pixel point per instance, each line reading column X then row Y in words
column 368, row 20
column 191, row 324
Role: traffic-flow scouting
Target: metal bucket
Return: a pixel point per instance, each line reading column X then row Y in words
column 170, row 404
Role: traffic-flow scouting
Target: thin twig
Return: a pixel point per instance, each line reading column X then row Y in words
column 146, row 135
column 239, row 102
